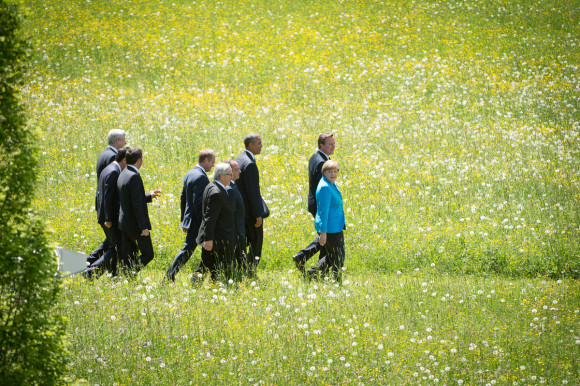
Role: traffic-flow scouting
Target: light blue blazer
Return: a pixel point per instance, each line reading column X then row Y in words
column 329, row 212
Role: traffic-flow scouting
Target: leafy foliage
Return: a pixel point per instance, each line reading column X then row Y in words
column 31, row 335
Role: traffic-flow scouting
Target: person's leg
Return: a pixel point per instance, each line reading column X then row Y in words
column 99, row 252
column 146, row 248
column 116, row 237
column 183, row 256
column 98, row 267
column 336, row 254
column 255, row 249
column 333, row 259
column 307, row 252
column 208, row 262
column 129, row 251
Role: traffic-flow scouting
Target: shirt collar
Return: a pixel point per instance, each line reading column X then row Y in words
column 219, row 183
column 251, row 155
column 323, row 154
column 199, row 166
column 133, row 168
column 112, row 148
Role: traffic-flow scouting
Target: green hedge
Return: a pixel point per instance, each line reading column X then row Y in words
column 31, row 332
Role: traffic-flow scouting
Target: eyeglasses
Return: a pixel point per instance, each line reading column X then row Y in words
column 228, row 174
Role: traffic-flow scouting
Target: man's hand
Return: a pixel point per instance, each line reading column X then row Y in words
column 108, row 224
column 155, row 194
column 259, row 221
column 145, row 232
column 322, row 239
column 208, row 245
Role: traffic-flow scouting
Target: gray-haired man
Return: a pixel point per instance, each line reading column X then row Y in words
column 116, row 141
column 217, row 234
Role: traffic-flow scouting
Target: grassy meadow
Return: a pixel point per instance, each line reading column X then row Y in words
column 457, row 128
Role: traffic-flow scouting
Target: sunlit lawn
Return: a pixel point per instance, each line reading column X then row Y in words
column 419, row 327
column 457, row 128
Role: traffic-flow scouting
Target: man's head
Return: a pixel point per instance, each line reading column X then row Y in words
column 326, row 143
column 223, row 173
column 253, row 143
column 236, row 171
column 120, row 157
column 116, row 138
column 206, row 159
column 134, row 156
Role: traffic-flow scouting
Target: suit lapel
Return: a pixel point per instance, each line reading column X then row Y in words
column 224, row 194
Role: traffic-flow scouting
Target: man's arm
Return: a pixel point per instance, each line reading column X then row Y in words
column 110, row 187
column 211, row 212
column 198, row 189
column 252, row 187
column 138, row 201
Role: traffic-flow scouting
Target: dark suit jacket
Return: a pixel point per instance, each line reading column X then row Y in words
column 134, row 215
column 105, row 158
column 314, row 175
column 194, row 184
column 249, row 186
column 218, row 222
column 107, row 203
column 239, row 209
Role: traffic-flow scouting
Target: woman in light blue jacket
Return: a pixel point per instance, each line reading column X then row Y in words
column 329, row 222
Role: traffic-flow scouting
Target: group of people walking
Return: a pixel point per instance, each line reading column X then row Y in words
column 225, row 217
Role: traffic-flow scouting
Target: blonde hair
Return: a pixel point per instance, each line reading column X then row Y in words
column 330, row 165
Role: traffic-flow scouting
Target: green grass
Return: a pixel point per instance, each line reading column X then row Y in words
column 456, row 123
column 420, row 327
column 457, row 134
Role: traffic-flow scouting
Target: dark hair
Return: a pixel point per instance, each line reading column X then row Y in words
column 250, row 138
column 121, row 154
column 133, row 155
column 322, row 138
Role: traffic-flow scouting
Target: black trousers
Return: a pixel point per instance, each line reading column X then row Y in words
column 108, row 261
column 334, row 260
column 307, row 252
column 183, row 256
column 254, row 241
column 99, row 252
column 220, row 260
column 132, row 243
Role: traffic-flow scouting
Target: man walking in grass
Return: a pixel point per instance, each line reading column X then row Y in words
column 255, row 206
column 194, row 184
column 326, row 145
column 217, row 233
column 108, row 215
column 116, row 141
column 134, row 216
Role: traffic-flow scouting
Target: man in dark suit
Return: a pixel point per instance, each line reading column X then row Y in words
column 256, row 208
column 133, row 215
column 240, row 215
column 217, row 233
column 194, row 184
column 116, row 141
column 108, row 215
column 326, row 145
